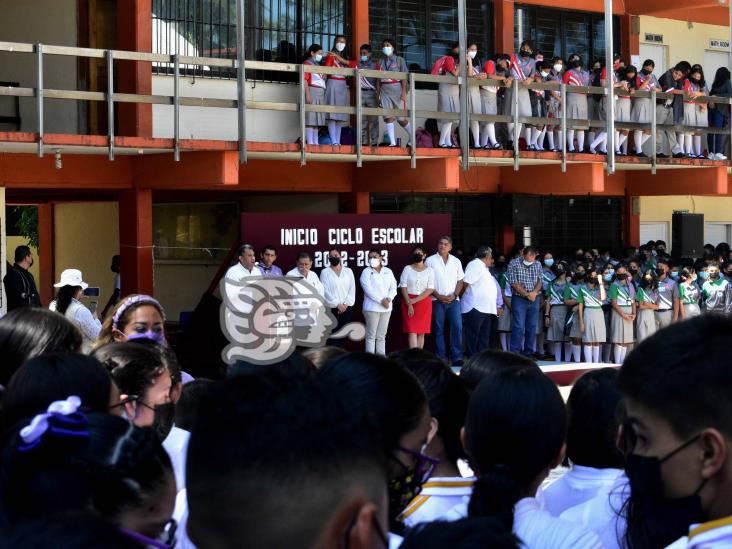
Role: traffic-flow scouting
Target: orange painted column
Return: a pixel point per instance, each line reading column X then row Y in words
column 506, row 239
column 134, row 33
column 135, row 235
column 360, row 27
column 504, row 26
column 358, row 202
column 629, row 42
column 46, row 261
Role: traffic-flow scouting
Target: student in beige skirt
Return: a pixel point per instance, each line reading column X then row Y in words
column 504, row 321
column 647, row 297
column 571, row 300
column 555, row 313
column 622, row 300
column 592, row 319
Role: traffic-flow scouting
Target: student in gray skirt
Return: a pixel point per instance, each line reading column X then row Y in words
column 641, row 110
column 571, row 300
column 474, row 97
column 555, row 313
column 393, row 93
column 622, row 299
column 522, row 69
column 448, row 94
column 592, row 320
column 370, row 129
column 314, row 94
column 647, row 297
column 337, row 92
column 576, row 102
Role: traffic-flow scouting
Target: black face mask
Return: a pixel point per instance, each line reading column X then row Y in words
column 622, row 276
column 334, row 261
column 645, row 72
column 525, row 53
column 455, row 55
column 164, row 419
column 655, row 520
column 402, row 490
column 575, row 64
column 417, row 258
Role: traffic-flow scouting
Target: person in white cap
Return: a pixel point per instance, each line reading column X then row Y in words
column 70, row 288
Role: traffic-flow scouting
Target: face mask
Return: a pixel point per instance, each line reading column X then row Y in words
column 334, row 261
column 703, row 275
column 674, row 274
column 157, row 337
column 364, row 58
column 402, row 490
column 374, row 262
column 607, row 277
column 622, row 276
column 417, row 258
column 714, row 276
column 544, row 74
column 576, row 64
column 472, row 54
column 549, row 262
column 388, row 50
column 558, row 68
column 528, row 263
column 525, row 53
column 646, row 72
column 340, row 46
column 654, row 253
column 318, row 57
column 660, row 520
column 455, row 55
column 163, row 420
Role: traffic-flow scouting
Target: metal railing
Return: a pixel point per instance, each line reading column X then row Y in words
column 410, row 112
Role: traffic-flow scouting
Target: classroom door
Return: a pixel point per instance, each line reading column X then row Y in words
column 712, row 61
column 715, row 233
column 657, row 53
column 654, row 230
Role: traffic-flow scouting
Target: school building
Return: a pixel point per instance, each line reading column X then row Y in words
column 163, row 186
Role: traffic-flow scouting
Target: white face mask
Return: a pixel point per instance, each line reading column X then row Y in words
column 388, row 50
column 340, row 46
column 374, row 262
column 473, row 53
column 544, row 74
column 318, row 58
column 558, row 68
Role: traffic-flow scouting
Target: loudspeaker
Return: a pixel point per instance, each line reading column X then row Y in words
column 522, row 210
column 687, row 235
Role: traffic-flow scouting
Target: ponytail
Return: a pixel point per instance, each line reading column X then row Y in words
column 64, row 296
column 494, row 495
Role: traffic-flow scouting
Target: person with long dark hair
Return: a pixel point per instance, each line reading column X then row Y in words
column 337, row 92
column 314, row 94
column 695, row 114
column 70, row 288
column 719, row 114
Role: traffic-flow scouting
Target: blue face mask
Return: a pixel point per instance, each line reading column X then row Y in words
column 157, row 337
column 318, row 57
column 549, row 262
column 675, row 274
column 607, row 277
column 703, row 275
column 364, row 58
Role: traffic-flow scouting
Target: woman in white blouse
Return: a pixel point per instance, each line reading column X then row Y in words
column 417, row 284
column 379, row 290
column 70, row 288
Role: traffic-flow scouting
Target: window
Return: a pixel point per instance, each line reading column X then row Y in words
column 425, row 30
column 563, row 32
column 276, row 30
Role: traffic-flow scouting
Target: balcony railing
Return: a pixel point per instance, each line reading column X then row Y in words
column 468, row 156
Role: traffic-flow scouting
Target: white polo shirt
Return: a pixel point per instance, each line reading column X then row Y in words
column 312, row 279
column 482, row 291
column 238, row 272
column 340, row 288
column 447, row 274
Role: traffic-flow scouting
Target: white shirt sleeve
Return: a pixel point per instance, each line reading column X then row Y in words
column 472, row 274
column 351, row 300
column 392, row 292
column 88, row 325
column 461, row 273
column 370, row 290
column 403, row 277
column 315, row 281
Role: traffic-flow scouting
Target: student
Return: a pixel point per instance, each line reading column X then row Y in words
column 676, row 436
column 369, row 98
column 137, row 316
column 489, row 101
column 622, row 299
column 337, row 92
column 379, row 290
column 600, row 139
column 571, row 300
column 385, row 391
column 539, row 105
column 504, row 321
column 468, row 532
column 668, row 295
column 488, row 362
column 314, row 94
column 689, row 294
column 522, row 68
column 647, row 297
column 576, row 102
column 646, row 81
column 695, row 114
column 417, row 283
column 393, row 93
column 719, row 114
column 555, row 313
column 303, row 270
column 447, row 394
column 244, row 479
column 716, row 291
column 623, row 106
column 592, row 321
column 554, row 135
column 448, row 94
column 514, row 433
column 595, row 463
column 607, row 277
column 474, row 96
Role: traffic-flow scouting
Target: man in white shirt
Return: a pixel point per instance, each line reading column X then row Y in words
column 481, row 302
column 246, row 266
column 445, row 301
column 303, row 270
column 379, row 290
column 339, row 285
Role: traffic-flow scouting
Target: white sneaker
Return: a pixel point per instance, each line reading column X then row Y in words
column 712, row 156
column 720, row 156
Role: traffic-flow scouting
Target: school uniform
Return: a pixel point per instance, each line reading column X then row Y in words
column 622, row 102
column 504, row 321
column 715, row 533
column 645, row 322
column 521, row 69
column 571, row 293
column 539, row 106
column 689, row 297
column 717, row 296
column 474, row 99
column 641, row 110
column 557, row 311
column 576, row 486
column 594, row 319
column 693, row 113
column 667, row 294
column 669, row 112
column 577, row 102
column 438, row 496
column 621, row 330
column 377, row 285
column 176, row 446
column 448, row 95
column 316, row 85
column 489, row 105
column 337, row 92
column 391, row 90
column 369, row 99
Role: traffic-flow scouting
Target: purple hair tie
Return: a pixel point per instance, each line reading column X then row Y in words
column 61, row 419
column 132, row 300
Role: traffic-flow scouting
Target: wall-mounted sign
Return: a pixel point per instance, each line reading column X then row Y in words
column 718, row 44
column 656, row 38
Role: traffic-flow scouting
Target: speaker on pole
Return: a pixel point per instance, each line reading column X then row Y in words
column 687, row 235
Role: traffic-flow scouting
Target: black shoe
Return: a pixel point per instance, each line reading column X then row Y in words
column 641, row 155
column 679, row 155
column 661, row 155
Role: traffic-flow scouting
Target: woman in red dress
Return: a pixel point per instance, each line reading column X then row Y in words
column 417, row 284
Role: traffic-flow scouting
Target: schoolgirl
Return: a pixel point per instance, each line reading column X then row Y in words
column 540, row 106
column 608, row 275
column 370, row 124
column 489, row 100
column 695, row 114
column 623, row 105
column 647, row 297
column 448, row 94
column 554, row 98
column 474, row 96
column 314, row 95
column 576, row 102
column 591, row 318
column 689, row 294
column 600, row 139
column 555, row 313
column 622, row 299
column 641, row 111
column 337, row 92
column 668, row 296
column 504, row 321
column 522, row 68
column 393, row 93
column 571, row 300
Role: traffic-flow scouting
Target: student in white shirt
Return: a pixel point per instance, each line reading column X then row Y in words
column 246, row 264
column 448, row 401
column 514, row 434
column 446, row 302
column 591, row 443
column 303, row 270
column 677, row 435
column 379, row 290
column 339, row 286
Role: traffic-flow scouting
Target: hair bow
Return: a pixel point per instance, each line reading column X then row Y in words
column 61, row 418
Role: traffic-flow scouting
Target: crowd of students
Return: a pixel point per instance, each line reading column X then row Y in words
column 684, row 80
column 120, row 449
